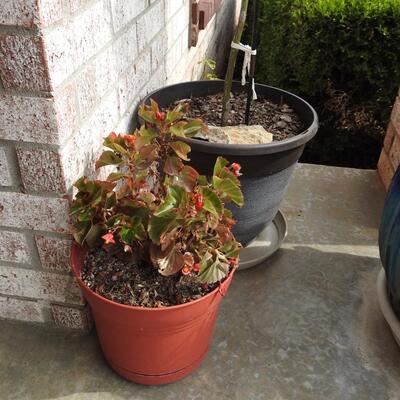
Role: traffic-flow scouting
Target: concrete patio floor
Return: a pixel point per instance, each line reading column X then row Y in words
column 303, row 325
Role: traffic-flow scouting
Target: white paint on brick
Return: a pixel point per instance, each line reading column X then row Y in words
column 22, row 310
column 133, row 80
column 92, row 30
column 34, row 212
column 39, row 285
column 158, row 50
column 172, row 7
column 71, row 45
column 125, row 50
column 150, row 23
column 5, row 176
column 13, row 247
column 60, row 53
column 103, row 71
column 28, row 119
column 175, row 62
column 81, row 152
column 177, row 24
column 124, row 11
column 125, row 124
column 157, row 81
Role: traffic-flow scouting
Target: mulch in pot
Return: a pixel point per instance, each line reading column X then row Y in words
column 130, row 283
column 279, row 119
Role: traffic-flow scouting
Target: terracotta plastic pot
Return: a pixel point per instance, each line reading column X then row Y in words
column 152, row 346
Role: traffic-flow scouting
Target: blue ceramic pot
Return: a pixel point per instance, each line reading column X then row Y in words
column 389, row 242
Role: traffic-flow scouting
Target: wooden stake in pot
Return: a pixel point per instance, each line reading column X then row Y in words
column 232, row 61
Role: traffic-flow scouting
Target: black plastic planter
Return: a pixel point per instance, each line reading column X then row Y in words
column 267, row 168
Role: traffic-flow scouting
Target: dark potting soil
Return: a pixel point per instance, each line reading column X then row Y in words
column 130, row 283
column 279, row 119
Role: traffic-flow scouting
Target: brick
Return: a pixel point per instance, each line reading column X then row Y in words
column 81, row 152
column 22, row 310
column 75, row 5
column 385, row 169
column 92, row 30
column 173, row 61
column 13, row 247
column 98, row 76
column 394, row 153
column 60, row 54
column 54, row 253
column 22, row 63
column 149, row 24
column 71, row 45
column 389, row 137
column 133, row 80
column 39, row 285
column 28, row 119
column 157, row 80
column 125, row 50
column 395, row 116
column 41, row 170
column 124, row 11
column 88, row 93
column 158, row 50
column 67, row 111
column 34, row 212
column 72, row 317
column 5, row 176
column 125, row 124
column 30, row 13
column 177, row 24
column 172, row 7
column 50, row 11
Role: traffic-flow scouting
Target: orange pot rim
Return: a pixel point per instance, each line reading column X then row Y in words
column 76, row 248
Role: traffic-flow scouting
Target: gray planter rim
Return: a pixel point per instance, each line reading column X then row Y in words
column 247, row 149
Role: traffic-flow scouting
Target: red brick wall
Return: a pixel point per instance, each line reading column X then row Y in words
column 390, row 155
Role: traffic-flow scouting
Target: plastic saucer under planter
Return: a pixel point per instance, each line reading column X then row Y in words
column 152, row 346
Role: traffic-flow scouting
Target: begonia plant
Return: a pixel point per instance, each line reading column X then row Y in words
column 155, row 207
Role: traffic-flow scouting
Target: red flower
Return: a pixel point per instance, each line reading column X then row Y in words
column 160, row 116
column 130, row 138
column 236, row 168
column 199, row 206
column 108, row 238
column 198, row 201
column 112, row 135
column 186, row 270
column 196, row 267
column 198, row 198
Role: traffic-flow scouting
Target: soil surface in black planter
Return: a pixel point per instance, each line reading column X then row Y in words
column 279, row 119
column 138, row 284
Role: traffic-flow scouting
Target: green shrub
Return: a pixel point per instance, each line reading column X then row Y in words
column 319, row 47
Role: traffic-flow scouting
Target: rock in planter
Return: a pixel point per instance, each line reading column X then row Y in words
column 239, row 134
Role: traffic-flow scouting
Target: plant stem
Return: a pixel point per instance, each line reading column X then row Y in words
column 232, row 62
